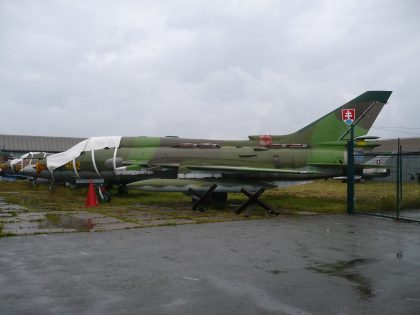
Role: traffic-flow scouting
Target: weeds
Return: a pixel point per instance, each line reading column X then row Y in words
column 319, row 197
column 54, row 218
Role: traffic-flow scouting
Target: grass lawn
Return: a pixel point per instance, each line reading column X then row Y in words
column 319, row 197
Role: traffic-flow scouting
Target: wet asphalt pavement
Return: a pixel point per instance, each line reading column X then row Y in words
column 335, row 264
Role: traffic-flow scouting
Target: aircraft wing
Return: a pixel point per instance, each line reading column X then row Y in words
column 327, row 164
column 363, row 165
column 245, row 169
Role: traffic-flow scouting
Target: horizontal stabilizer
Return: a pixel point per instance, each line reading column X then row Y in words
column 367, row 138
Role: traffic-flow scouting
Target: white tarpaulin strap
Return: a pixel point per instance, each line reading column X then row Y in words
column 19, row 159
column 75, row 168
column 114, row 161
column 14, row 161
column 95, row 143
column 94, row 163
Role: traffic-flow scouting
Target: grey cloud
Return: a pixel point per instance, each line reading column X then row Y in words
column 222, row 69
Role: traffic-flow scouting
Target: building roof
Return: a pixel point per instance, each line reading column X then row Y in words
column 18, row 143
column 408, row 145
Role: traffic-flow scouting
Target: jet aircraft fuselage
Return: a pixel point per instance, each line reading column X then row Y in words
column 263, row 161
column 139, row 158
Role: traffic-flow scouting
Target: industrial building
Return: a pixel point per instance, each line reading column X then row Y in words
column 410, row 148
column 17, row 145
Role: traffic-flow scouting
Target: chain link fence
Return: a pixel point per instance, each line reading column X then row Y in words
column 396, row 195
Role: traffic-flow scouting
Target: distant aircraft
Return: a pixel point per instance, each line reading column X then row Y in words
column 374, row 168
column 209, row 169
column 23, row 166
column 380, row 169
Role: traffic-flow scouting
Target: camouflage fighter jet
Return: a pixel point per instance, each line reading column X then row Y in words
column 213, row 168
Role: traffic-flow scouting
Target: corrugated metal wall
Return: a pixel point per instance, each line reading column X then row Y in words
column 391, row 145
column 17, row 143
column 410, row 158
column 410, row 169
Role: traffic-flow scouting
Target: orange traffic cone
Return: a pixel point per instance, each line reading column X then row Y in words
column 91, row 199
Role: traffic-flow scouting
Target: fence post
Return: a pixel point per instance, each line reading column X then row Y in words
column 399, row 178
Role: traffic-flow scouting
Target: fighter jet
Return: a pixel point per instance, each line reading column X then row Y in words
column 374, row 168
column 23, row 166
column 213, row 168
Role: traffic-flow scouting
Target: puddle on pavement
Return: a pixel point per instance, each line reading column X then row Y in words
column 18, row 220
column 345, row 269
column 67, row 221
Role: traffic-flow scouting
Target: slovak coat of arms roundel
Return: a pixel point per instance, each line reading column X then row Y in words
column 348, row 115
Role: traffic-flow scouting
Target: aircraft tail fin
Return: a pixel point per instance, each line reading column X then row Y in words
column 363, row 111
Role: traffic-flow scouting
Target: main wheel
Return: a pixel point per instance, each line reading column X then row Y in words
column 220, row 197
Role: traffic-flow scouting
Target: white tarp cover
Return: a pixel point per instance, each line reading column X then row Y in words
column 15, row 161
column 19, row 159
column 95, row 143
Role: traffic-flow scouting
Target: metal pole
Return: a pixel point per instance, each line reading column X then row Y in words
column 399, row 179
column 350, row 172
column 400, row 154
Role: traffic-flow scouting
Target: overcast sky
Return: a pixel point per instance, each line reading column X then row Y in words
column 208, row 69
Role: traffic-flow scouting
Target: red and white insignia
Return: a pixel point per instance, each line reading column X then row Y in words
column 265, row 140
column 348, row 115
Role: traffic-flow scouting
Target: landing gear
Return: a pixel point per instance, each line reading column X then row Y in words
column 122, row 189
column 201, row 202
column 219, row 198
column 103, row 194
